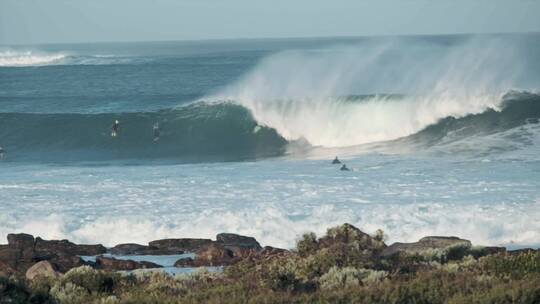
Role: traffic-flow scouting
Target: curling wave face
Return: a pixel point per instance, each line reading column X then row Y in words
column 195, row 133
column 224, row 131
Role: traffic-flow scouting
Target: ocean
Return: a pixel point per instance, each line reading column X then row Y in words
column 441, row 135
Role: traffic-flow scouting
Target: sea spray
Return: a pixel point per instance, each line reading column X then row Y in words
column 297, row 92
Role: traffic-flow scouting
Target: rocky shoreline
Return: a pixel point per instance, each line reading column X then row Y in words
column 23, row 251
column 345, row 265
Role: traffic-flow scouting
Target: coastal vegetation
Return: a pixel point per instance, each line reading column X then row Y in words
column 343, row 266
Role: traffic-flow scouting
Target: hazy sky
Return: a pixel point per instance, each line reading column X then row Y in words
column 44, row 21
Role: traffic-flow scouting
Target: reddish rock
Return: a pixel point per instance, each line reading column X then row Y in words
column 42, row 269
column 179, row 246
column 426, row 243
column 63, row 263
column 347, row 234
column 214, row 255
column 9, row 256
column 236, row 240
column 24, row 244
column 20, row 240
column 133, row 249
column 66, row 247
column 185, row 262
column 7, row 270
column 107, row 263
column 272, row 251
column 23, row 251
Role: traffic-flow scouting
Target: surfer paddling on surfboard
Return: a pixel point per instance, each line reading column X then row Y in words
column 115, row 128
column 156, row 131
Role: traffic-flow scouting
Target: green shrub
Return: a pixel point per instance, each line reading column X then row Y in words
column 513, row 265
column 70, row 293
column 13, row 290
column 90, row 279
column 307, row 244
column 340, row 278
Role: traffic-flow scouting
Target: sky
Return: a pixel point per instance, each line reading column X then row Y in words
column 71, row 21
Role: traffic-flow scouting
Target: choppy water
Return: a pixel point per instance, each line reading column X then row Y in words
column 442, row 135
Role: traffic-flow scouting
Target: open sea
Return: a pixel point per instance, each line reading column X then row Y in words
column 441, row 135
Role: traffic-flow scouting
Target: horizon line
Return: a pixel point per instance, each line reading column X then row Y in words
column 273, row 38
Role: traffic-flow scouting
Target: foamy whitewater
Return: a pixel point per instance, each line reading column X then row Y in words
column 442, row 135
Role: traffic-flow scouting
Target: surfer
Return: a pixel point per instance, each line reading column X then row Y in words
column 156, row 131
column 2, row 153
column 336, row 161
column 344, row 168
column 115, row 128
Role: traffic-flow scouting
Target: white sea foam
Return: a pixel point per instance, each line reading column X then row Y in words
column 295, row 91
column 494, row 225
column 29, row 58
column 275, row 201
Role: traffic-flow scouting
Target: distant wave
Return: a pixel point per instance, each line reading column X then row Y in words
column 12, row 58
column 28, row 58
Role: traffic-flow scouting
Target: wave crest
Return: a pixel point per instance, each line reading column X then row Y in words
column 28, row 58
column 294, row 91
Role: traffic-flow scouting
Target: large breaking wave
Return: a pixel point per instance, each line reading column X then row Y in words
column 295, row 92
column 398, row 92
column 227, row 131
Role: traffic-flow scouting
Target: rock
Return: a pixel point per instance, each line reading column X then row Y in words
column 179, row 246
column 487, row 251
column 424, row 244
column 214, row 255
column 107, row 263
column 184, row 262
column 9, row 256
column 272, row 251
column 24, row 244
column 19, row 253
column 523, row 250
column 23, row 251
column 65, row 262
column 235, row 240
column 20, row 240
column 133, row 249
column 349, row 234
column 44, row 247
column 7, row 270
column 43, row 268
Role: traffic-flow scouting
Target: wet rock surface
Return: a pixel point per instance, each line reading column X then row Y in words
column 179, row 246
column 135, row 249
column 109, row 263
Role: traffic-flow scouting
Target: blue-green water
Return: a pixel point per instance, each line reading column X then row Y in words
column 442, row 135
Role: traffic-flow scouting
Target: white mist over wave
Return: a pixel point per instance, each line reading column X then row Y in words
column 28, row 58
column 296, row 92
